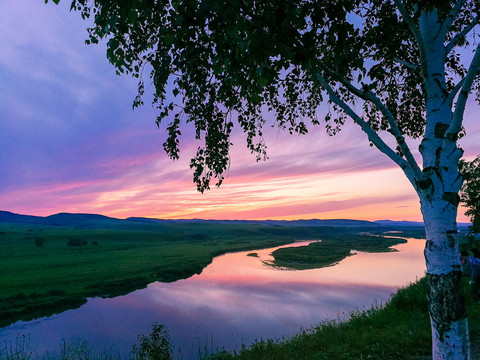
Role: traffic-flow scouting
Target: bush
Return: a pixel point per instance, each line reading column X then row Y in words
column 156, row 346
column 77, row 242
column 39, row 241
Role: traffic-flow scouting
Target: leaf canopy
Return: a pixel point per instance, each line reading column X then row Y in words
column 214, row 63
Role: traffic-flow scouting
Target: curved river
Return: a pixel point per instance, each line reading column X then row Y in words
column 236, row 300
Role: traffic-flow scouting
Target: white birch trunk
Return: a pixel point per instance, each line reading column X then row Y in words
column 439, row 199
column 448, row 315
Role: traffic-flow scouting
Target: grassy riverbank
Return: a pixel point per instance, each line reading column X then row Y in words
column 399, row 330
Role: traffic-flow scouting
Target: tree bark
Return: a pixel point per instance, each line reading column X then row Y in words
column 448, row 315
column 438, row 191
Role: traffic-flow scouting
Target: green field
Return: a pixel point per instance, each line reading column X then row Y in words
column 49, row 269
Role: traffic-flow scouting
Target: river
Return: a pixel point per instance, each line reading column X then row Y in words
column 236, row 300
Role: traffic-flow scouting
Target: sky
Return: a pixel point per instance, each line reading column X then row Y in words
column 70, row 142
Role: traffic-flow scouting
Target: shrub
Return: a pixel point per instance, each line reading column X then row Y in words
column 156, row 346
column 39, row 241
column 77, row 242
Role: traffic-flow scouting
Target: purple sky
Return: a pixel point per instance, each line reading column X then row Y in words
column 69, row 141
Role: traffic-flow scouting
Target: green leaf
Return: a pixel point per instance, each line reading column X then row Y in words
column 256, row 99
column 262, row 81
column 169, row 39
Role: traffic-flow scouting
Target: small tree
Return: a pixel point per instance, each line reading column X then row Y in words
column 395, row 68
column 155, row 346
column 39, row 241
column 470, row 194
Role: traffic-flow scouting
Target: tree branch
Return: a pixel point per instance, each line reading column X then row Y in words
column 472, row 72
column 411, row 24
column 407, row 64
column 371, row 134
column 370, row 96
column 451, row 18
column 454, row 91
column 460, row 35
column 415, row 31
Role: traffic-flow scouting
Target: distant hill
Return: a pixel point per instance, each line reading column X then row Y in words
column 311, row 222
column 399, row 223
column 95, row 220
column 61, row 219
column 9, row 217
column 68, row 219
column 100, row 221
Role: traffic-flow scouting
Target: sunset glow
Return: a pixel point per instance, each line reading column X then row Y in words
column 70, row 142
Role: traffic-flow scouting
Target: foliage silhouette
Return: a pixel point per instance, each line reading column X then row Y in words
column 470, row 194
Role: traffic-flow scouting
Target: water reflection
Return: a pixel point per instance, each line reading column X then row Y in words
column 234, row 301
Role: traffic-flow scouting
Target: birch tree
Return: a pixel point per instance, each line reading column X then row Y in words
column 398, row 69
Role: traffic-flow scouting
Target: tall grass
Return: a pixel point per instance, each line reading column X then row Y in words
column 155, row 346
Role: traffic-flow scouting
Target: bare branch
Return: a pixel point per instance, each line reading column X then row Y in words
column 371, row 134
column 461, row 35
column 472, row 73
